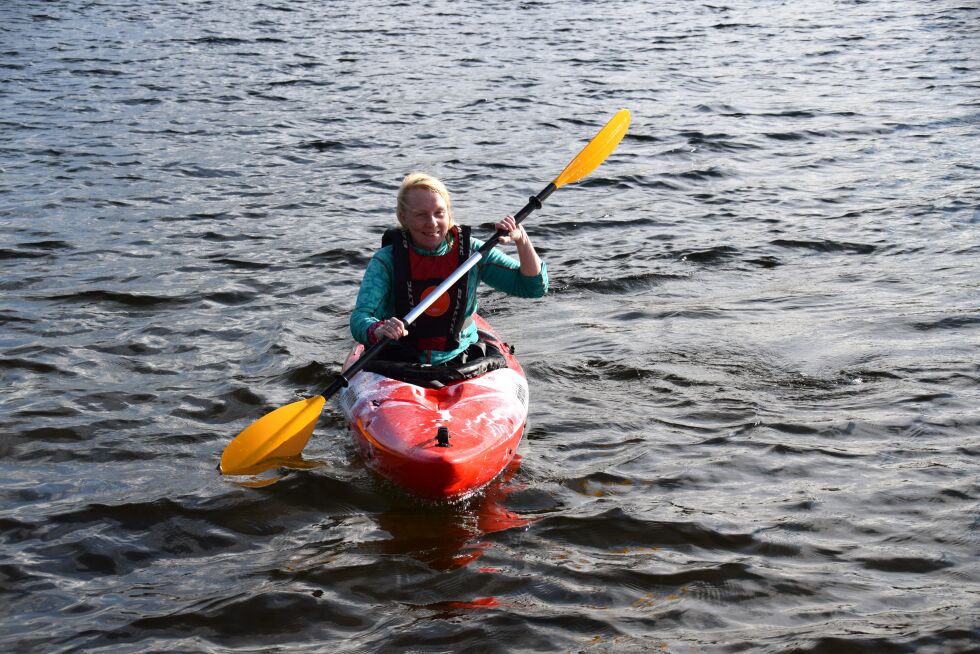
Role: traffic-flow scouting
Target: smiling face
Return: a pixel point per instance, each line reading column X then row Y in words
column 426, row 217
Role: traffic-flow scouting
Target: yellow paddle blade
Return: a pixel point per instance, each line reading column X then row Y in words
column 282, row 433
column 596, row 151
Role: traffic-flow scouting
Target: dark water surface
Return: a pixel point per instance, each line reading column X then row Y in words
column 755, row 417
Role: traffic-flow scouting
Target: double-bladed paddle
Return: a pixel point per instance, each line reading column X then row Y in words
column 284, row 432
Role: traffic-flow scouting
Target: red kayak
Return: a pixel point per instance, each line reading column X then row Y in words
column 436, row 435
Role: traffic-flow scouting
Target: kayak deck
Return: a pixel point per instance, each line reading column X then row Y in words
column 396, row 426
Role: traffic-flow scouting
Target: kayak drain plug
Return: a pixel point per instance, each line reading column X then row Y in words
column 442, row 437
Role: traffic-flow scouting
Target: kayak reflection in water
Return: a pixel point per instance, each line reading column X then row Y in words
column 415, row 257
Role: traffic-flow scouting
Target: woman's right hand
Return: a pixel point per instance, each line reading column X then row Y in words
column 392, row 328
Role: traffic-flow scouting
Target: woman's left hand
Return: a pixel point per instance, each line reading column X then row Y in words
column 530, row 261
column 515, row 232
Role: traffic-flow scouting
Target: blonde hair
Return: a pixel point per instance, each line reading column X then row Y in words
column 426, row 181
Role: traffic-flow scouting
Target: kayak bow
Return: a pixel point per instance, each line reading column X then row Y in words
column 444, row 442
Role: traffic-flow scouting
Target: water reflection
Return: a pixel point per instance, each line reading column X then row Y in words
column 449, row 536
column 274, row 470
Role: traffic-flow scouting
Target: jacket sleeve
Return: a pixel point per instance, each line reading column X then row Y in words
column 374, row 297
column 503, row 273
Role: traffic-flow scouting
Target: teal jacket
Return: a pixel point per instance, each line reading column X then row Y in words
column 375, row 299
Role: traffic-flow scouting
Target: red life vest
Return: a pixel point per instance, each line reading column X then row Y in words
column 417, row 275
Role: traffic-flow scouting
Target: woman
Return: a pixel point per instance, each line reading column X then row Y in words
column 425, row 250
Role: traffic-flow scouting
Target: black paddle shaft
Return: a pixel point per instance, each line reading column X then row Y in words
column 534, row 202
column 343, row 379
